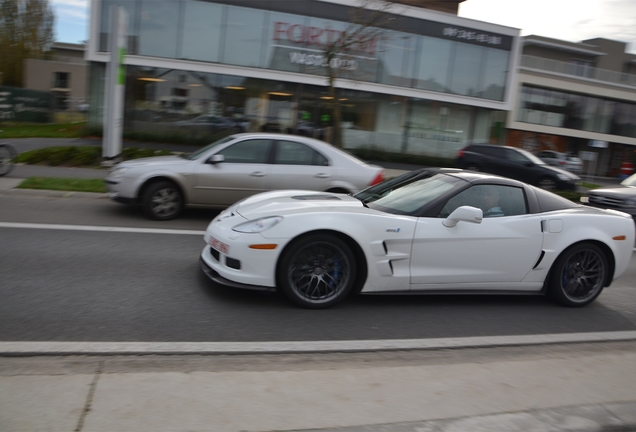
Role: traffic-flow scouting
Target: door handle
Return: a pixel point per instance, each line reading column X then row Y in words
column 322, row 175
column 258, row 174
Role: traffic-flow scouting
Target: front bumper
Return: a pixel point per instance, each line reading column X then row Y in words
column 215, row 277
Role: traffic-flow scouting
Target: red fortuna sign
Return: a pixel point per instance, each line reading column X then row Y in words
column 320, row 37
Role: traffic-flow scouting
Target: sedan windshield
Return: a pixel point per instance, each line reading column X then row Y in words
column 197, row 154
column 408, row 198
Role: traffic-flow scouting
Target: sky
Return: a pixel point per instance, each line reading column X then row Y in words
column 569, row 20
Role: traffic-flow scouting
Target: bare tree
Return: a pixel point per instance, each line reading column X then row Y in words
column 368, row 23
column 26, row 31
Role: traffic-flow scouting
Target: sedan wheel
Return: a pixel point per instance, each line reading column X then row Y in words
column 317, row 271
column 578, row 275
column 162, row 201
column 547, row 183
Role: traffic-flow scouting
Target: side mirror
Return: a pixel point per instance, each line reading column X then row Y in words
column 215, row 159
column 464, row 214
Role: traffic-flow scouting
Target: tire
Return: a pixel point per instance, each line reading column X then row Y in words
column 547, row 183
column 578, row 275
column 317, row 271
column 162, row 200
column 7, row 156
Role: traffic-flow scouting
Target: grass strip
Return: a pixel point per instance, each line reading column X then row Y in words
column 64, row 184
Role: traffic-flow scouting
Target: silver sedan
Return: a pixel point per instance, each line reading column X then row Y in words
column 234, row 168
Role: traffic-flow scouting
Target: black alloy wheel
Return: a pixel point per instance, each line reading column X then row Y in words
column 162, row 201
column 317, row 271
column 578, row 275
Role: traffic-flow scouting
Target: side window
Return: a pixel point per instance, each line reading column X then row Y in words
column 516, row 157
column 493, row 200
column 294, row 153
column 249, row 151
column 492, row 151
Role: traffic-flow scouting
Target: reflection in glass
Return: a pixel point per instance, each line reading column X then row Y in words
column 466, row 69
column 131, row 7
column 158, row 27
column 396, row 53
column 202, row 31
column 244, row 39
column 495, row 74
column 433, row 69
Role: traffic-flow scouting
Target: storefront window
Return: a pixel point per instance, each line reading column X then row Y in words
column 285, row 49
column 466, row 68
column 433, row 69
column 130, row 6
column 245, row 38
column 496, row 66
column 158, row 28
column 396, row 54
column 202, row 30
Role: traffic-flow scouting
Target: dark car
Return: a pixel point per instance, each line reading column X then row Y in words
column 516, row 164
column 210, row 123
column 621, row 197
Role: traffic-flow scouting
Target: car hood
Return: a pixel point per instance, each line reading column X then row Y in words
column 155, row 160
column 562, row 171
column 617, row 191
column 284, row 202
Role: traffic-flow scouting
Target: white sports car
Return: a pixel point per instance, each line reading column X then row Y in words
column 428, row 231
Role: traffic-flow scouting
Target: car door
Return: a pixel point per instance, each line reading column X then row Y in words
column 299, row 166
column 472, row 255
column 244, row 172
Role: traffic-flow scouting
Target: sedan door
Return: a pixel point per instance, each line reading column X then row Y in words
column 243, row 173
column 299, row 166
column 500, row 249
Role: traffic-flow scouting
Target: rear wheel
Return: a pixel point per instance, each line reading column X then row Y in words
column 162, row 201
column 317, row 271
column 7, row 156
column 578, row 275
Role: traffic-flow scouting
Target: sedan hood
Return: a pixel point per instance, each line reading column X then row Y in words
column 284, row 202
column 155, row 160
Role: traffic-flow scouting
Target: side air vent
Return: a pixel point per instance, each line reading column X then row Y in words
column 539, row 260
column 316, row 197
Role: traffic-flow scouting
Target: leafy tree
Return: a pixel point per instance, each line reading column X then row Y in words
column 26, row 31
column 367, row 25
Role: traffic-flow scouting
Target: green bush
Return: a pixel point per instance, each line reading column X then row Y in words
column 73, row 156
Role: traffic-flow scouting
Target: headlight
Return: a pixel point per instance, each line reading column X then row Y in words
column 258, row 225
column 117, row 172
column 563, row 177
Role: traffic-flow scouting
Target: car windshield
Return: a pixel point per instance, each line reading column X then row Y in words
column 197, row 154
column 411, row 196
column 535, row 160
column 630, row 181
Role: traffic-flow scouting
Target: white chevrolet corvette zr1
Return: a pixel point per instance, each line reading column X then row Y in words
column 440, row 231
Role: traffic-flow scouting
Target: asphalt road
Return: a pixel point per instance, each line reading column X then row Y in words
column 107, row 285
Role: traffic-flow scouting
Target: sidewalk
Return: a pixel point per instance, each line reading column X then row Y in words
column 571, row 387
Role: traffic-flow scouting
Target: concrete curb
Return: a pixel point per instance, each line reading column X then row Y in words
column 210, row 348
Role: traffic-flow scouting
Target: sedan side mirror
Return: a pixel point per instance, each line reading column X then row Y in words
column 215, row 159
column 464, row 214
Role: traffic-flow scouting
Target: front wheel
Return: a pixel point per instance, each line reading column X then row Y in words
column 162, row 201
column 7, row 156
column 578, row 275
column 317, row 271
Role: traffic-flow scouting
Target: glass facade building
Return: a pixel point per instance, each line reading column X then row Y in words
column 426, row 83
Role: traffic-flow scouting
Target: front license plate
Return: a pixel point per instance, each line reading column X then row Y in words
column 219, row 245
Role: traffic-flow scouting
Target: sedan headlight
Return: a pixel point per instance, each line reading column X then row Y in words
column 563, row 177
column 258, row 225
column 117, row 172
